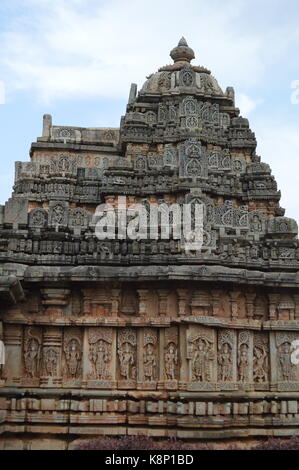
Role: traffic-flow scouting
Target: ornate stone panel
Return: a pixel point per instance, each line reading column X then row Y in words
column 170, row 358
column 72, row 356
column 32, row 354
column 51, row 357
column 101, row 357
column 244, row 356
column 127, row 357
column 226, row 356
column 202, row 357
column 261, row 360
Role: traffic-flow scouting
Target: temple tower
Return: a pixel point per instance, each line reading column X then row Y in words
column 152, row 334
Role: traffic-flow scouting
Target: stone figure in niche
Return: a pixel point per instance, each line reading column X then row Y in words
column 243, row 364
column 171, row 360
column 38, row 218
column 260, row 369
column 201, row 357
column 256, row 224
column 100, row 357
column 73, row 356
column 2, row 357
column 127, row 361
column 58, row 212
column 150, row 363
column 78, row 218
column 225, row 362
column 51, row 362
column 284, row 358
column 32, row 357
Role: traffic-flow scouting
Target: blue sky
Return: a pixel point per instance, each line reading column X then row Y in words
column 76, row 59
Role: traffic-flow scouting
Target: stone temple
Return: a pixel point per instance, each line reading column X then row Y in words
column 128, row 336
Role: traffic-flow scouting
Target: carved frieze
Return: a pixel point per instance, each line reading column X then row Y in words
column 127, row 357
column 100, row 340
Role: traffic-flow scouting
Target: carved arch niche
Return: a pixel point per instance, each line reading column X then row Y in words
column 101, row 357
column 72, row 357
column 202, row 358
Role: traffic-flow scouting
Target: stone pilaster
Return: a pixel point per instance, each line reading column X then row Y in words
column 143, row 297
column 250, row 299
column 273, row 304
column 183, row 295
column 13, row 368
column 115, row 298
column 234, row 296
column 163, row 301
column 296, row 299
column 216, row 302
column 52, row 357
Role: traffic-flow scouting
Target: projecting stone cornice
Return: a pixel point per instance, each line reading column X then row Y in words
column 155, row 273
column 11, row 290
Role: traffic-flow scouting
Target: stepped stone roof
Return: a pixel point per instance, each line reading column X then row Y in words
column 181, row 140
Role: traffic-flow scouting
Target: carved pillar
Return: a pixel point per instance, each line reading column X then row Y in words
column 201, row 303
column 143, row 296
column 273, row 366
column 296, row 298
column 216, row 301
column 163, row 301
column 55, row 299
column 115, row 296
column 161, row 336
column 13, row 368
column 2, row 355
column 234, row 295
column 183, row 295
column 86, row 302
column 273, row 303
column 51, row 354
column 250, row 298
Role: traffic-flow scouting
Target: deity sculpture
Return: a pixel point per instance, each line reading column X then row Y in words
column 201, row 357
column 100, row 357
column 32, row 352
column 171, row 360
column 225, row 362
column 73, row 356
column 284, row 358
column 150, row 363
column 127, row 361
column 260, row 369
column 51, row 362
column 243, row 363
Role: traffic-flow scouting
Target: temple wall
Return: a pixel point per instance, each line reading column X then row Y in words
column 185, row 361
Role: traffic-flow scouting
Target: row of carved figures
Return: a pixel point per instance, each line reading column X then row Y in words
column 128, row 354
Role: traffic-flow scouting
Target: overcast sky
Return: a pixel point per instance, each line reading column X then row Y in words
column 76, row 59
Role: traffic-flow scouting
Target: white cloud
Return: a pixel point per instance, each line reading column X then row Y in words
column 2, row 92
column 278, row 145
column 97, row 48
column 246, row 104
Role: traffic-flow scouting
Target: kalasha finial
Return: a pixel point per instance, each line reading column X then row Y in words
column 182, row 52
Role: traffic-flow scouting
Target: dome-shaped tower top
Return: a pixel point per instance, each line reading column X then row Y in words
column 182, row 52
